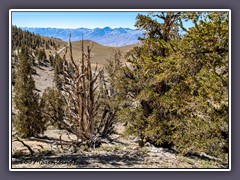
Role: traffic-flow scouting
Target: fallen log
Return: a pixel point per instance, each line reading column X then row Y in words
column 203, row 155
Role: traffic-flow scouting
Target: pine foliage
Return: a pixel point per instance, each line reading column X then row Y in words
column 28, row 120
column 53, row 107
column 178, row 83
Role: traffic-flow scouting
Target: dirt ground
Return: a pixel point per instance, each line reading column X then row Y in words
column 44, row 77
column 124, row 152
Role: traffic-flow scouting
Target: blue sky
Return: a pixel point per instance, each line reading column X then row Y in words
column 74, row 19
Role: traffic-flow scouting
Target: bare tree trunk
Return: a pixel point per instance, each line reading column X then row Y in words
column 82, row 95
column 79, row 88
column 91, row 92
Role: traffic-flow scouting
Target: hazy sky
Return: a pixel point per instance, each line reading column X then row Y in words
column 74, row 19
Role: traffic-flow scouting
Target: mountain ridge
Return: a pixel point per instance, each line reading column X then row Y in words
column 106, row 36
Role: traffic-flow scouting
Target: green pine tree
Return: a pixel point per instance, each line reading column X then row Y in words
column 53, row 106
column 179, row 83
column 58, row 71
column 28, row 121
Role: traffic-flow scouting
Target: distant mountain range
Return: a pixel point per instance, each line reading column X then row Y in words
column 105, row 36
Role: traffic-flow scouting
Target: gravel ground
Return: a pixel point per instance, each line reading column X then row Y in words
column 44, row 78
column 122, row 153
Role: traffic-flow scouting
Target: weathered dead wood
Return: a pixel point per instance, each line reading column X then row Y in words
column 83, row 91
column 27, row 146
column 203, row 155
column 206, row 156
column 79, row 89
column 59, row 142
